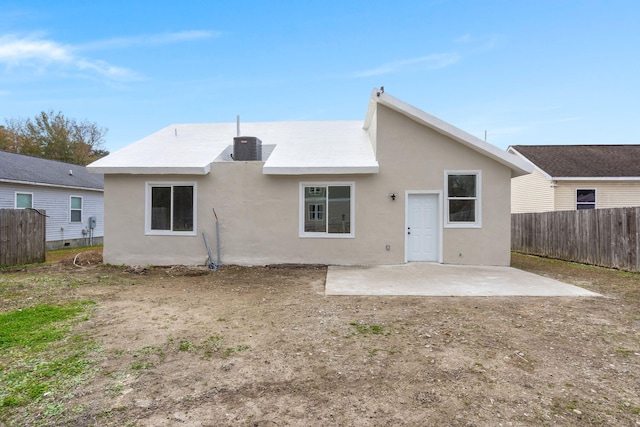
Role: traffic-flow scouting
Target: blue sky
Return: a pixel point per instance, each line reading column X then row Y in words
column 526, row 72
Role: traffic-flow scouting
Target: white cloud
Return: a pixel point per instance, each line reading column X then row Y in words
column 429, row 62
column 149, row 40
column 479, row 44
column 37, row 52
column 16, row 51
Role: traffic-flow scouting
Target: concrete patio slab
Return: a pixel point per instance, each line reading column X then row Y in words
column 427, row 279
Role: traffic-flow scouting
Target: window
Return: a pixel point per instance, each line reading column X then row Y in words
column 326, row 210
column 170, row 208
column 24, row 200
column 316, row 212
column 75, row 214
column 585, row 199
column 463, row 200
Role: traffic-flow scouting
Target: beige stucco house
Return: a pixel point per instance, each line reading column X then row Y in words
column 399, row 186
column 572, row 177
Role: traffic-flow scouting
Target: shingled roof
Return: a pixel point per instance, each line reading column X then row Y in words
column 584, row 161
column 19, row 168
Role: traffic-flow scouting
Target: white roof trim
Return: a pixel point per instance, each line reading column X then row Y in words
column 595, row 178
column 41, row 184
column 335, row 170
column 156, row 170
column 518, row 166
column 518, row 154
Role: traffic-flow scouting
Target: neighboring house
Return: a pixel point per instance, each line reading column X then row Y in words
column 68, row 193
column 399, row 186
column 571, row 177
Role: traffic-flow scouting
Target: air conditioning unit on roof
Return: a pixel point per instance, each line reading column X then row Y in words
column 247, row 148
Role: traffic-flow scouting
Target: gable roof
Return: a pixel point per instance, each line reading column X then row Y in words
column 583, row 161
column 299, row 148
column 518, row 166
column 21, row 169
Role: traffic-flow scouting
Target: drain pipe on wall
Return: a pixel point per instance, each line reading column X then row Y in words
column 217, row 237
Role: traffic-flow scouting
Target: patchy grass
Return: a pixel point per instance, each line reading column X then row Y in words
column 40, row 358
column 237, row 349
column 61, row 254
column 617, row 283
column 365, row 329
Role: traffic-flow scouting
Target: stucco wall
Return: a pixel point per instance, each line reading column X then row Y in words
column 258, row 218
column 259, row 214
column 413, row 157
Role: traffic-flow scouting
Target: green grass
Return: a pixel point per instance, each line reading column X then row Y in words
column 365, row 329
column 35, row 326
column 237, row 349
column 39, row 358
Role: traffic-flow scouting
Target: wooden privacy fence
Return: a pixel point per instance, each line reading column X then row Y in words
column 604, row 237
column 22, row 236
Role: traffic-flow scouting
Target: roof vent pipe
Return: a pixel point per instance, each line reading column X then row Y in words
column 238, row 125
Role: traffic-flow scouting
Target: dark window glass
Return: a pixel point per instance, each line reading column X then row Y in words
column 161, row 208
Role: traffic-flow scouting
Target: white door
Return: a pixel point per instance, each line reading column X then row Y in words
column 422, row 227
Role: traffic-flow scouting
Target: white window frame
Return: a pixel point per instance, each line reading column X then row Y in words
column 15, row 199
column 147, row 208
column 595, row 195
column 352, row 210
column 478, row 214
column 71, row 209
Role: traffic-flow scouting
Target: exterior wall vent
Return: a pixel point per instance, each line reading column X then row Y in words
column 247, row 148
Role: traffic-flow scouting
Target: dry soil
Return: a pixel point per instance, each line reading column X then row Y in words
column 263, row 346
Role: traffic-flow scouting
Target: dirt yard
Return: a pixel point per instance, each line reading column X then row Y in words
column 265, row 347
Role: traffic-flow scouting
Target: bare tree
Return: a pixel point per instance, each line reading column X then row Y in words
column 55, row 137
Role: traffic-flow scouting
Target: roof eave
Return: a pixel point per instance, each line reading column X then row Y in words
column 329, row 170
column 42, row 184
column 152, row 170
column 595, row 178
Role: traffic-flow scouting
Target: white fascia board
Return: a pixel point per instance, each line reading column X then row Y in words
column 516, row 153
column 596, row 178
column 156, row 170
column 329, row 170
column 518, row 166
column 40, row 184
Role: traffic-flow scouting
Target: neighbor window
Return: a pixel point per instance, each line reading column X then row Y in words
column 586, row 199
column 75, row 213
column 326, row 210
column 24, row 201
column 170, row 208
column 463, row 198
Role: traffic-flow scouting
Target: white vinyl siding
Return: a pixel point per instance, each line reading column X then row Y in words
column 531, row 193
column 609, row 194
column 55, row 201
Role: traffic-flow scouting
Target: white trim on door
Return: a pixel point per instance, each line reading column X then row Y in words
column 438, row 194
